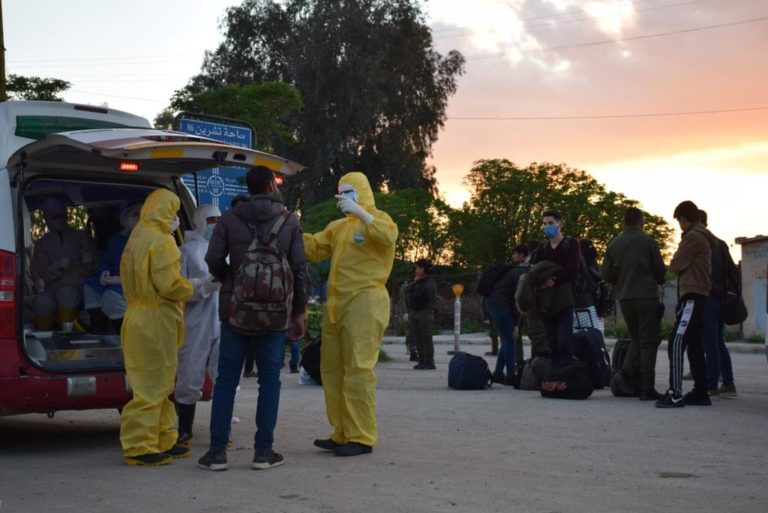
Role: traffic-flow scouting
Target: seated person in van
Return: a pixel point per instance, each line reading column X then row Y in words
column 103, row 292
column 63, row 258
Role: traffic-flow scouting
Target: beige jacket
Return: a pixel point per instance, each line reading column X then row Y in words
column 692, row 262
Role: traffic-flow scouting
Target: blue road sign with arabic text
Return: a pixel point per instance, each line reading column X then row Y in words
column 218, row 186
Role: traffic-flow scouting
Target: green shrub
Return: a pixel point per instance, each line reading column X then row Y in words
column 757, row 338
column 383, row 356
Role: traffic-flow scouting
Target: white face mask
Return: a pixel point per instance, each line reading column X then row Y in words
column 175, row 224
column 350, row 194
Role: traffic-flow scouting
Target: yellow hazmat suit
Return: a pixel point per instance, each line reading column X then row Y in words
column 153, row 328
column 357, row 311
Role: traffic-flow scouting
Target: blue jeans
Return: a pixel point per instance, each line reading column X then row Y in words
column 713, row 336
column 268, row 351
column 295, row 353
column 505, row 322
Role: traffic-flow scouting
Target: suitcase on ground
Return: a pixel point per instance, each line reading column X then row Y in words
column 589, row 347
column 468, row 372
column 570, row 381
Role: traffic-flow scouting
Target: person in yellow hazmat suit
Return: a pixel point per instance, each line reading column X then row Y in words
column 152, row 332
column 361, row 247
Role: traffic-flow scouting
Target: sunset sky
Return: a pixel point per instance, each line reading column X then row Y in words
column 609, row 71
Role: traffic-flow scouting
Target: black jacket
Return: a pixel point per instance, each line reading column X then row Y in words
column 232, row 237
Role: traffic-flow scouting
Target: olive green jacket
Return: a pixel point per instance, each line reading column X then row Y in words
column 633, row 265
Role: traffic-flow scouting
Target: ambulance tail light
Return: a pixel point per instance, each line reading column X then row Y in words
column 7, row 295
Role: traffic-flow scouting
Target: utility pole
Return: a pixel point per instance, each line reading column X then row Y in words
column 3, row 95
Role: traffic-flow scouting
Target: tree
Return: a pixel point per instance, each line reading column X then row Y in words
column 507, row 201
column 265, row 106
column 20, row 87
column 373, row 88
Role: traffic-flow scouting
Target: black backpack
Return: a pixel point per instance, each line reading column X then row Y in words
column 491, row 277
column 468, row 372
column 310, row 360
column 570, row 381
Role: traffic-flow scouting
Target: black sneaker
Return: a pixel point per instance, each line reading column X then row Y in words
column 214, row 460
column 353, row 449
column 419, row 366
column 148, row 460
column 294, row 369
column 268, row 460
column 178, row 452
column 670, row 401
column 498, row 377
column 692, row 399
column 326, row 443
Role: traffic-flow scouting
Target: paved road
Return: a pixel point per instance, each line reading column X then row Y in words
column 499, row 450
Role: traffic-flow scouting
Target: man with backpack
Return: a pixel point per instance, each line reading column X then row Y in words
column 256, row 251
column 565, row 253
column 725, row 280
column 634, row 266
column 499, row 305
column 361, row 247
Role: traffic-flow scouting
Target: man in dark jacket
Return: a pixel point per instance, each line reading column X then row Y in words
column 420, row 301
column 501, row 309
column 558, row 320
column 725, row 279
column 692, row 262
column 634, row 266
column 231, row 238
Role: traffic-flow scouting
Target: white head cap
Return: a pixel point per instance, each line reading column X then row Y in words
column 202, row 213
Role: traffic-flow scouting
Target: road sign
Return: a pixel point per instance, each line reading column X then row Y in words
column 217, row 186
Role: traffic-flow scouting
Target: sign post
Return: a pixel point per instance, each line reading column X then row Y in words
column 457, row 289
column 216, row 186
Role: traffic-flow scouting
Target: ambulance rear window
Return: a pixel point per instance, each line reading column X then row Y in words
column 38, row 127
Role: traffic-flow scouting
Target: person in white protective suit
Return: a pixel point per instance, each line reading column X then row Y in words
column 200, row 351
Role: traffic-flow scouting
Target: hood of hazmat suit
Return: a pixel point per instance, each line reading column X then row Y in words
column 153, row 328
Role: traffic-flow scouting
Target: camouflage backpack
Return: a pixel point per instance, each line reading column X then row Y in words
column 262, row 291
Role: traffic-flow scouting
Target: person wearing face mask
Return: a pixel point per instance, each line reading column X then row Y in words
column 152, row 332
column 200, row 351
column 361, row 247
column 558, row 320
column 62, row 260
column 103, row 292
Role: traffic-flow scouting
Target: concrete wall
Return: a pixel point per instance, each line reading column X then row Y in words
column 754, row 275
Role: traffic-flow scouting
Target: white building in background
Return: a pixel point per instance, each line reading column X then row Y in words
column 754, row 280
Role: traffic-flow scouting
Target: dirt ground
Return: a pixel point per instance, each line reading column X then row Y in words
column 498, row 450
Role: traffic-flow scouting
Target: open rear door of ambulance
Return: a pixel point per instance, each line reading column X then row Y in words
column 139, row 151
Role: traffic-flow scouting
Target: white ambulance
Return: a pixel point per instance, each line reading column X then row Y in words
column 93, row 160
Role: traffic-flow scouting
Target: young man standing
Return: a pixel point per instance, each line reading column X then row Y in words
column 565, row 252
column 227, row 249
column 692, row 262
column 725, row 279
column 634, row 266
column 500, row 307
